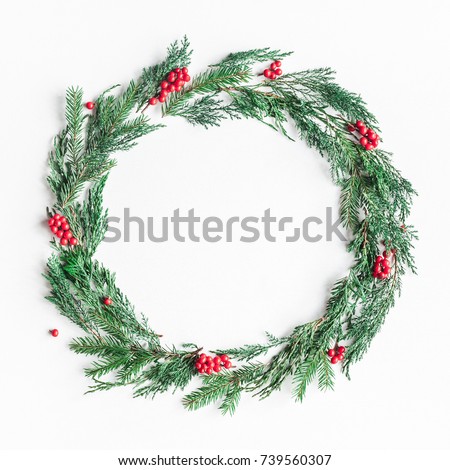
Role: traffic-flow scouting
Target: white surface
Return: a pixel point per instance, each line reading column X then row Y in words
column 395, row 54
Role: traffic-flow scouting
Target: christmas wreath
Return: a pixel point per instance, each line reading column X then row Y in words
column 374, row 205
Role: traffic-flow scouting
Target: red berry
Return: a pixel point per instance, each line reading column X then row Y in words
column 187, row 78
column 217, row 360
column 371, row 134
column 334, row 360
column 51, row 221
column 350, row 128
column 161, row 98
column 273, row 66
column 224, row 358
column 340, row 357
column 379, row 259
column 54, row 333
column 363, row 130
column 64, row 241
column 185, row 70
column 58, row 223
column 65, row 226
column 209, row 370
column 171, row 77
column 363, row 141
column 68, row 234
column 368, row 147
column 164, row 84
column 359, row 124
column 171, row 88
column 382, row 275
column 375, row 144
column 53, row 229
column 107, row 301
column 177, row 70
column 278, row 63
column 227, row 364
column 341, row 349
column 202, row 358
column 178, row 88
column 377, row 268
column 217, row 368
column 278, row 72
column 267, row 73
column 163, row 93
column 59, row 233
column 63, row 220
column 90, row 105
column 152, row 101
column 57, row 216
column 73, row 241
column 331, row 352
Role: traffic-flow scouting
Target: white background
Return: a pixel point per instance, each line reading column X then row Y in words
column 396, row 55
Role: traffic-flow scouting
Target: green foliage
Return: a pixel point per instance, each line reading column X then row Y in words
column 374, row 205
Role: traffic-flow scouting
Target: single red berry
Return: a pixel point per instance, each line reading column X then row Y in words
column 171, row 77
column 161, row 98
column 375, row 144
column 209, row 370
column 273, row 66
column 363, row 130
column 54, row 332
column 359, row 124
column 202, row 358
column 57, row 216
column 185, row 70
column 351, row 128
column 278, row 63
column 64, row 241
column 209, row 360
column 178, row 89
column 331, row 352
column 107, row 301
column 53, row 229
column 363, row 141
column 65, row 226
column 278, row 72
column 217, row 368
column 224, row 358
column 58, row 223
column 198, row 365
column 227, row 364
column 68, row 234
column 63, row 220
column 379, row 259
column 340, row 357
column 171, row 88
column 163, row 93
column 341, row 349
column 90, row 105
column 164, row 84
column 73, row 241
column 177, row 70
column 59, row 233
column 267, row 73
column 334, row 360
column 51, row 221
column 368, row 146
column 371, row 134
column 187, row 78
column 152, row 101
column 217, row 360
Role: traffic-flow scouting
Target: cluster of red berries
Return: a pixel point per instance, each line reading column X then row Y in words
column 336, row 354
column 59, row 226
column 207, row 365
column 175, row 81
column 369, row 138
column 274, row 71
column 382, row 266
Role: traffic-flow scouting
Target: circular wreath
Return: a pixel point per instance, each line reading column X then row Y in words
column 375, row 202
